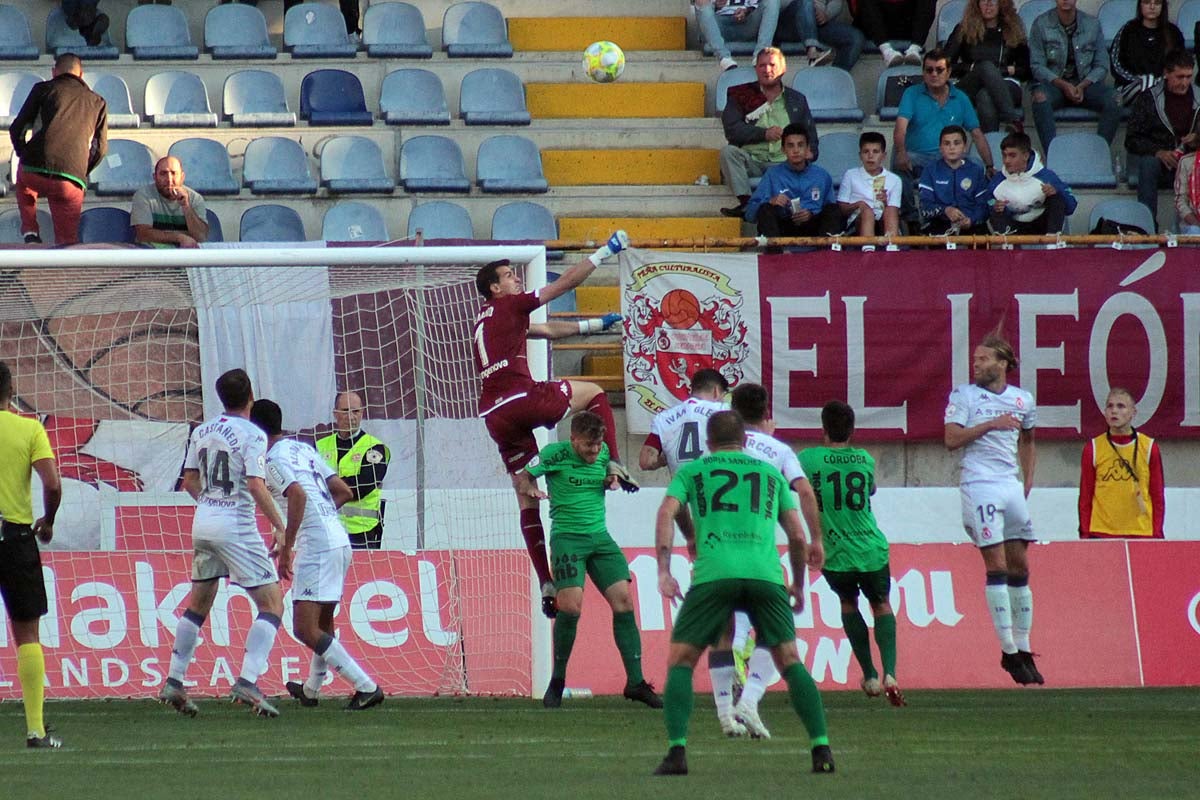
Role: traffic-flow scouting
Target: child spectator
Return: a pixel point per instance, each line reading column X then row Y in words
column 953, row 191
column 1028, row 198
column 870, row 194
column 1187, row 196
column 795, row 198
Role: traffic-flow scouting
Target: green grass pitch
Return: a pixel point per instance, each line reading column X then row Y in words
column 1020, row 744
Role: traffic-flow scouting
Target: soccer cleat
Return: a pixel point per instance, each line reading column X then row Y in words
column 675, row 763
column 892, row 689
column 747, row 714
column 553, row 696
column 549, row 600
column 732, row 728
column 176, row 697
column 822, row 758
column 1014, row 665
column 32, row 238
column 871, row 687
column 727, row 64
column 296, row 690
column 46, row 742
column 643, row 693
column 1034, row 675
column 361, row 701
column 623, row 477
column 249, row 694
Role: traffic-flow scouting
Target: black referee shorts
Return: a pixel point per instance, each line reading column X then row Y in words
column 21, row 582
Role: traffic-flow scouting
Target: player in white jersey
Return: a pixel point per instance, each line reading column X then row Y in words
column 992, row 422
column 224, row 473
column 301, row 480
column 677, row 433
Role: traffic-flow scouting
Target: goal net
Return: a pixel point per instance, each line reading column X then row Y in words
column 117, row 352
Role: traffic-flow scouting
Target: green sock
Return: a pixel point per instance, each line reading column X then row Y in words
column 629, row 643
column 677, row 704
column 806, row 701
column 565, row 626
column 885, row 637
column 860, row 641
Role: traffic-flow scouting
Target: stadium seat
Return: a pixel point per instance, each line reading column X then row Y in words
column 1082, row 160
column 352, row 221
column 413, row 97
column 908, row 73
column 395, row 30
column 1112, row 15
column 215, row 233
column 510, row 164
column 432, row 164
column 271, row 223
column 10, row 226
column 475, row 30
column 275, row 165
column 830, row 94
column 316, row 30
column 237, row 31
column 1189, row 15
column 255, row 98
column 127, row 167
column 159, row 32
column 63, row 39
column 492, row 97
column 948, row 16
column 16, row 40
column 1031, row 10
column 440, row 220
column 839, row 152
column 728, row 78
column 105, row 224
column 206, row 166
column 115, row 92
column 523, row 221
column 993, row 139
column 178, row 99
column 1123, row 210
column 354, row 164
column 14, row 91
column 333, row 97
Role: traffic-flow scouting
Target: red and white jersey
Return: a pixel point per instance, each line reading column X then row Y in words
column 501, row 328
column 680, row 432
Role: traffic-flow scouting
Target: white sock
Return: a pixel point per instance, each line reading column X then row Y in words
column 1021, row 600
column 344, row 664
column 760, row 673
column 259, row 642
column 316, row 676
column 187, row 636
column 722, row 683
column 998, row 607
column 741, row 629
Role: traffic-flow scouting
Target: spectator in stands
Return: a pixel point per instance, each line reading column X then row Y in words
column 754, row 118
column 1164, row 123
column 1187, row 196
column 70, row 135
column 1070, row 63
column 795, row 198
column 953, row 190
column 736, row 21
column 1139, row 50
column 870, row 194
column 1121, row 478
column 925, row 110
column 86, row 17
column 167, row 212
column 1026, row 197
column 816, row 23
column 888, row 21
column 989, row 57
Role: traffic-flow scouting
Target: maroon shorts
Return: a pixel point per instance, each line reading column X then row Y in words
column 511, row 425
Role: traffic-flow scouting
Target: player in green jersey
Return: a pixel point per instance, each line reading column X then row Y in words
column 736, row 501
column 577, row 476
column 856, row 551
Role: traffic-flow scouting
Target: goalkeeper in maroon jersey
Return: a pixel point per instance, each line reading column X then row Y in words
column 513, row 404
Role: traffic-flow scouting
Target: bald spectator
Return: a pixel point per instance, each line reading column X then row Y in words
column 168, row 213
column 361, row 461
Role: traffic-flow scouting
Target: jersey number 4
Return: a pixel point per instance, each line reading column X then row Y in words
column 216, row 474
column 689, row 448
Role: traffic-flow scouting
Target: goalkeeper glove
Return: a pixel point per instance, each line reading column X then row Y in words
column 615, row 244
column 598, row 324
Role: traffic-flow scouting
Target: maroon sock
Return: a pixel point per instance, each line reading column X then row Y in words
column 535, row 543
column 600, row 407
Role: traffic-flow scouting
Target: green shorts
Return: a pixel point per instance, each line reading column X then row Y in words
column 573, row 554
column 705, row 612
column 875, row 585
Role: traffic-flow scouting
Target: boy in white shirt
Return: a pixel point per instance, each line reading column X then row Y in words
column 870, row 194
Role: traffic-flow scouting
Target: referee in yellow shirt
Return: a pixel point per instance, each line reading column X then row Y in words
column 24, row 448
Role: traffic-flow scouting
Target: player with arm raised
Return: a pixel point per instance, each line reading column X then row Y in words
column 513, row 404
column 301, row 481
column 224, row 472
column 992, row 422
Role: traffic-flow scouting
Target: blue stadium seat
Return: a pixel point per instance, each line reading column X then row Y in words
column 1031, row 10
column 909, row 73
column 1189, row 15
column 215, row 233
column 352, row 221
column 315, row 30
column 159, row 32
column 206, row 166
column 395, row 30
column 839, row 152
column 10, row 226
column 475, row 30
column 115, row 92
column 275, row 165
column 432, row 164
column 354, row 164
column 510, row 164
column 237, row 31
column 492, row 97
column 177, row 99
column 523, row 221
column 728, row 78
column 948, row 16
column 16, row 41
column 440, row 220
column 1124, row 210
column 255, row 98
column 333, row 97
column 1112, row 15
column 105, row 224
column 127, row 167
column 413, row 97
column 1082, row 160
column 271, row 223
column 14, row 91
column 993, row 139
column 62, row 39
column 830, row 93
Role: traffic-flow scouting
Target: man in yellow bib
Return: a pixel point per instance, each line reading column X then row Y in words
column 1121, row 478
column 361, row 461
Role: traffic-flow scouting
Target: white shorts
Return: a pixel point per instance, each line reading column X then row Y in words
column 243, row 561
column 995, row 512
column 321, row 577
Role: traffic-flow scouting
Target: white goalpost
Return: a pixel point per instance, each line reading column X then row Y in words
column 116, row 350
